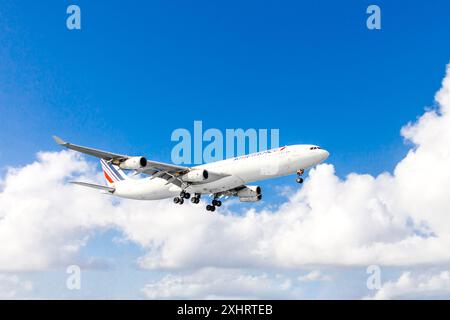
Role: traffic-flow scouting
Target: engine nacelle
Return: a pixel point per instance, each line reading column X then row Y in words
column 250, row 194
column 133, row 163
column 195, row 176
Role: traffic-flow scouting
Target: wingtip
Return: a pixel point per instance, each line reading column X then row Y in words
column 59, row 141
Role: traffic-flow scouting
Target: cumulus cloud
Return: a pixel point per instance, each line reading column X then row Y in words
column 212, row 283
column 398, row 219
column 416, row 285
column 11, row 286
column 43, row 220
column 315, row 275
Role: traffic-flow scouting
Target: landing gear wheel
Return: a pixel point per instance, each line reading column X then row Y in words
column 299, row 180
column 196, row 198
column 181, row 201
column 217, row 203
column 182, row 193
column 213, row 208
column 176, row 200
column 187, row 195
column 208, row 207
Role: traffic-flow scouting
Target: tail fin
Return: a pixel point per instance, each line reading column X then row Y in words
column 112, row 173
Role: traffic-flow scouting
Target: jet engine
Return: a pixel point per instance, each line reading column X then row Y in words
column 195, row 176
column 250, row 194
column 133, row 163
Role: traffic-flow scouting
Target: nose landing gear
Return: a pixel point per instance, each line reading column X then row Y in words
column 299, row 176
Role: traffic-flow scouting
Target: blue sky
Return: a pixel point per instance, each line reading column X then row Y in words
column 136, row 72
column 140, row 69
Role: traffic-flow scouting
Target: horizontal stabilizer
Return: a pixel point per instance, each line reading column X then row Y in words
column 95, row 186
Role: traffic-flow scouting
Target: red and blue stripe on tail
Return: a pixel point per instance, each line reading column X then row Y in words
column 112, row 173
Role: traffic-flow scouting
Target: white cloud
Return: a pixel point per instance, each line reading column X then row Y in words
column 359, row 220
column 11, row 286
column 315, row 275
column 212, row 283
column 43, row 220
column 414, row 286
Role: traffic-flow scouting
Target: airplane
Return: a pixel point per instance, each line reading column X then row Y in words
column 221, row 179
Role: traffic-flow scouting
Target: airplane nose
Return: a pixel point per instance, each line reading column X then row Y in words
column 324, row 155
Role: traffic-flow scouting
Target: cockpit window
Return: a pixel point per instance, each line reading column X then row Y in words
column 314, row 148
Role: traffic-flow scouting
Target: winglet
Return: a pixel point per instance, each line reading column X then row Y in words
column 59, row 141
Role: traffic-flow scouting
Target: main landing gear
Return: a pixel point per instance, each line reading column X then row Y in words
column 215, row 203
column 196, row 198
column 180, row 199
column 186, row 195
column 299, row 176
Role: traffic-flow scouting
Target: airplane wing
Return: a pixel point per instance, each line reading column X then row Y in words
column 93, row 152
column 169, row 172
column 155, row 166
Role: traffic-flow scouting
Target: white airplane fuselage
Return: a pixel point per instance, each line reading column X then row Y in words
column 235, row 171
